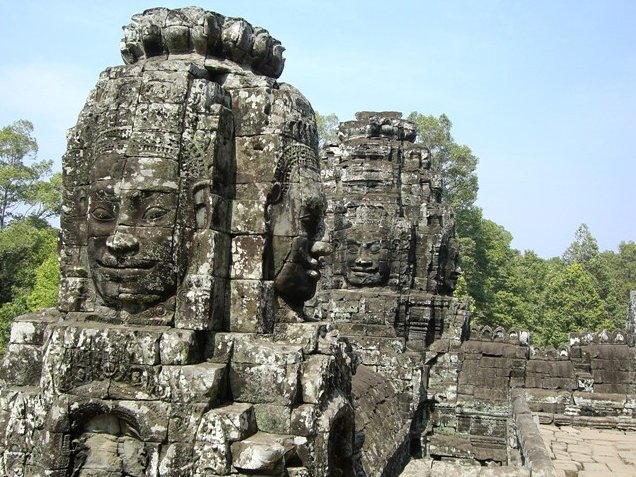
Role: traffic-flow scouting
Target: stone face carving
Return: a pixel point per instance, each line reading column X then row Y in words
column 295, row 210
column 131, row 224
column 191, row 232
column 388, row 285
column 368, row 252
column 108, row 445
column 193, row 335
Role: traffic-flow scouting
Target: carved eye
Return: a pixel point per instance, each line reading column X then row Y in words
column 102, row 213
column 310, row 223
column 375, row 247
column 352, row 248
column 154, row 213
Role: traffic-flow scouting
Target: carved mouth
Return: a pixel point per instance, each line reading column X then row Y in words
column 126, row 270
column 364, row 271
column 113, row 263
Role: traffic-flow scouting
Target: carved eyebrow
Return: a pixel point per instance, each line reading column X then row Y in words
column 105, row 193
column 149, row 188
column 152, row 189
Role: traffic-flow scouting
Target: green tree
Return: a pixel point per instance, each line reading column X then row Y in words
column 625, row 265
column 602, row 266
column 584, row 247
column 456, row 162
column 45, row 288
column 29, row 271
column 327, row 128
column 26, row 185
column 571, row 304
column 519, row 302
column 24, row 246
column 486, row 261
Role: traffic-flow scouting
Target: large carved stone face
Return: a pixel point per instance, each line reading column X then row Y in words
column 296, row 228
column 131, row 224
column 366, row 256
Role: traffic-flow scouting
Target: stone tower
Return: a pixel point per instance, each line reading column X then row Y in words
column 191, row 232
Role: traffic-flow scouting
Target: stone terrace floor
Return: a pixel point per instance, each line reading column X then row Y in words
column 587, row 452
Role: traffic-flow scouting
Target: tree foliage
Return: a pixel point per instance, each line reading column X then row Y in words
column 27, row 187
column 29, row 194
column 29, row 270
column 583, row 249
column 456, row 162
column 571, row 304
column 327, row 128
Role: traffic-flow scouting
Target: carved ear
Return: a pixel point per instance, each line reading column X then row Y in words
column 201, row 198
column 276, row 194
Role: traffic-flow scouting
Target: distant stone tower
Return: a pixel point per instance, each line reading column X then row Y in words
column 388, row 285
column 395, row 260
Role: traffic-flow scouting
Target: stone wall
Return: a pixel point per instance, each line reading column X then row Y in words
column 589, row 382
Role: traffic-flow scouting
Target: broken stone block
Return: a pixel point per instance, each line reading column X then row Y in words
column 262, row 454
column 237, row 422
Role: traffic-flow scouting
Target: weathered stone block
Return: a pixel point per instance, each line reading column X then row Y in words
column 247, row 257
column 256, row 158
column 178, row 347
column 273, row 419
column 22, row 365
column 29, row 329
column 249, row 300
column 176, row 459
column 315, row 380
column 184, row 421
column 261, row 454
column 247, row 382
column 52, row 449
column 307, row 335
column 195, row 383
column 237, row 422
column 202, row 304
column 244, row 103
column 263, row 351
column 211, row 459
column 248, row 217
column 303, row 420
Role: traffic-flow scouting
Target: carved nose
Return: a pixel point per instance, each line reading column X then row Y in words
column 363, row 260
column 122, row 243
column 320, row 249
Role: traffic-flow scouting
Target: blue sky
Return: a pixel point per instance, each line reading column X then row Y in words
column 543, row 91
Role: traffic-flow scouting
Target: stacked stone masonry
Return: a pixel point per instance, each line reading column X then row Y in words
column 234, row 301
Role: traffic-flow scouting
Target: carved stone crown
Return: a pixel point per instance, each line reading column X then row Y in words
column 192, row 30
column 387, row 124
